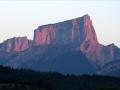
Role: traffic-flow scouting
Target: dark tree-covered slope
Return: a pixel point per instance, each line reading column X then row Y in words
column 12, row 79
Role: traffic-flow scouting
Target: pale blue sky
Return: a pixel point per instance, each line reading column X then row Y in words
column 20, row 18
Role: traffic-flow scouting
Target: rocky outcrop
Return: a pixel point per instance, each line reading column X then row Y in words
column 100, row 54
column 15, row 44
column 112, row 52
column 72, row 31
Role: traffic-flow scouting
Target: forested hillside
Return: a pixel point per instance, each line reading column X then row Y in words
column 11, row 79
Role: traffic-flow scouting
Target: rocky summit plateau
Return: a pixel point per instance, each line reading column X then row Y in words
column 69, row 47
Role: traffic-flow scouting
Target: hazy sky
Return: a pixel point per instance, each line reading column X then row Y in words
column 20, row 18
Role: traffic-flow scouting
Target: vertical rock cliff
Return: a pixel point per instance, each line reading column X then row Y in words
column 15, row 44
column 73, row 31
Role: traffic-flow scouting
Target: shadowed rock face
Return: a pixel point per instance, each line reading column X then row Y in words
column 72, row 31
column 15, row 44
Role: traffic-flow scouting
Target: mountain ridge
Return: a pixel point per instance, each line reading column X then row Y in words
column 60, row 39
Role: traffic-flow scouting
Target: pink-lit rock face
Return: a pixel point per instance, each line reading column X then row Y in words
column 72, row 31
column 89, row 30
column 15, row 44
column 44, row 36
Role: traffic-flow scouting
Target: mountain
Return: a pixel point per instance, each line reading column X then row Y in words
column 69, row 47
